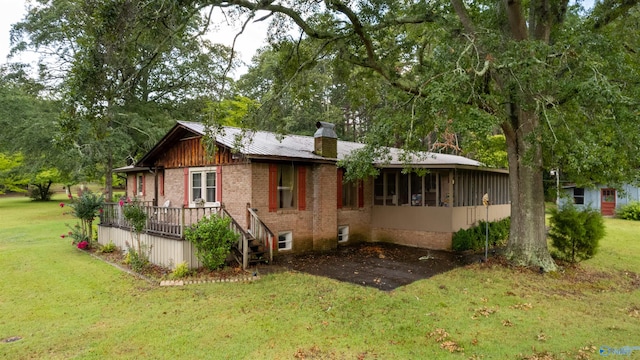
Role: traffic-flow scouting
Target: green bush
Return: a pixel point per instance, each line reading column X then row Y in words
column 108, row 248
column 212, row 238
column 474, row 238
column 630, row 211
column 576, row 233
column 138, row 260
column 181, row 271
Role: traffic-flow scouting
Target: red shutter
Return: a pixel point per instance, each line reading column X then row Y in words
column 186, row 187
column 339, row 189
column 302, row 188
column 219, row 184
column 135, row 185
column 273, row 187
column 161, row 183
column 360, row 193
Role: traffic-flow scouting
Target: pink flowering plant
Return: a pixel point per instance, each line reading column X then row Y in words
column 85, row 208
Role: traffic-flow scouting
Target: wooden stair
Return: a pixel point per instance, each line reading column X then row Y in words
column 257, row 251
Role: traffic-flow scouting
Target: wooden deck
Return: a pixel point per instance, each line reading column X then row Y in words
column 167, row 224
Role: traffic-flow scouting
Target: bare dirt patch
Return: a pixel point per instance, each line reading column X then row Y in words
column 379, row 265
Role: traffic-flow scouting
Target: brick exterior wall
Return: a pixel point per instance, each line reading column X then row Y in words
column 358, row 219
column 296, row 221
column 173, row 187
column 236, row 190
column 324, row 205
column 313, row 229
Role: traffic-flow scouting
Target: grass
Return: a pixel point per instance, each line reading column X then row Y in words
column 64, row 304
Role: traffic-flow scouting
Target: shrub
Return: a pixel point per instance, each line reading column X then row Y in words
column 137, row 260
column 212, row 238
column 181, row 271
column 630, row 211
column 575, row 233
column 108, row 248
column 474, row 238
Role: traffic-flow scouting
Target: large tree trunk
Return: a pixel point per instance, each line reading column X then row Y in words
column 527, row 244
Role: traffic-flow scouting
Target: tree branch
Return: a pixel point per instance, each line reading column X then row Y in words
column 515, row 16
column 463, row 15
column 607, row 11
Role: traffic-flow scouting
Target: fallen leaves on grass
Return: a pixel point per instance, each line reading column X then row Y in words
column 441, row 337
column 633, row 311
column 524, row 306
column 507, row 323
column 483, row 311
column 586, row 352
column 538, row 356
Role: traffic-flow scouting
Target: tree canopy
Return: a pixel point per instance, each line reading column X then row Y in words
column 122, row 70
column 558, row 82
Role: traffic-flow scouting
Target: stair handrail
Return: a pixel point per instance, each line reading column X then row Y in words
column 243, row 242
column 260, row 231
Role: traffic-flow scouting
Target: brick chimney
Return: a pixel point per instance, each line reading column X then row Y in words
column 326, row 140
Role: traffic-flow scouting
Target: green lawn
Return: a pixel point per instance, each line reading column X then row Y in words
column 63, row 304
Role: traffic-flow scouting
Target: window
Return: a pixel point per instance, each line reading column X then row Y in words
column 202, row 186
column 140, row 185
column 578, row 196
column 285, row 240
column 286, row 186
column 347, row 192
column 343, row 233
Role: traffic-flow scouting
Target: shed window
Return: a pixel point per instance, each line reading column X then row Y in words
column 578, row 196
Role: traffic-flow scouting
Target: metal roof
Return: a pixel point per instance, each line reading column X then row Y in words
column 258, row 144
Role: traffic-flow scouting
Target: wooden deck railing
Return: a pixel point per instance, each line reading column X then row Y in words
column 165, row 221
column 171, row 222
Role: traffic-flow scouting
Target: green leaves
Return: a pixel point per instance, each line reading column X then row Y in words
column 212, row 238
column 576, row 233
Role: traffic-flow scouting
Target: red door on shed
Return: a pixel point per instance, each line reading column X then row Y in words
column 608, row 201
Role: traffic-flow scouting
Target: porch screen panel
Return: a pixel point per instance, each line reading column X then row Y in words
column 196, row 186
column 211, row 186
column 403, row 189
column 430, row 190
column 391, row 194
column 378, row 192
column 417, row 192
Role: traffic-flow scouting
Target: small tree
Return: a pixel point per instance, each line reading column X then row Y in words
column 137, row 218
column 212, row 238
column 576, row 233
column 85, row 209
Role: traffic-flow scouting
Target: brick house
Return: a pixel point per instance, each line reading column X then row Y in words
column 294, row 187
